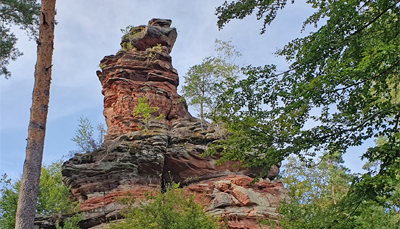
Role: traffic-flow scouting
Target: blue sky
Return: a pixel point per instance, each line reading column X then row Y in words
column 89, row 30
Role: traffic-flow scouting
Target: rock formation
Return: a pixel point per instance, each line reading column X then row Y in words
column 142, row 68
column 133, row 160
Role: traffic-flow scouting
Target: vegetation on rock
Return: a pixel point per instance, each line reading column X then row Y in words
column 144, row 111
column 173, row 209
column 84, row 138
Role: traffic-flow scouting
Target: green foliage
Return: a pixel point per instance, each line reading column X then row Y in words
column 84, row 136
column 371, row 215
column 341, row 89
column 157, row 48
column 214, row 75
column 144, row 110
column 182, row 100
column 127, row 46
column 25, row 15
column 53, row 196
column 71, row 223
column 318, row 198
column 130, row 33
column 174, row 209
column 8, row 202
column 153, row 53
column 127, row 29
column 102, row 66
column 314, row 193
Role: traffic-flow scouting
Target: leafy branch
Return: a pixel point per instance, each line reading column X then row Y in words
column 144, row 111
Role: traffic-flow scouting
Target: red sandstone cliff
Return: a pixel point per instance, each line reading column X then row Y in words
column 142, row 68
column 132, row 160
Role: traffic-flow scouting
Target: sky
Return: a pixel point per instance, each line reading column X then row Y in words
column 89, row 30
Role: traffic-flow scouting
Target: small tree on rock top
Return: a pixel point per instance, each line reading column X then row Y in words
column 84, row 137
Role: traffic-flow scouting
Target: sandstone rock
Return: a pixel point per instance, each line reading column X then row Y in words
column 135, row 161
column 240, row 204
column 144, row 70
column 157, row 31
column 221, row 200
column 144, row 161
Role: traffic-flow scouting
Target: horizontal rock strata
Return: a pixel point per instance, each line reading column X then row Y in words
column 143, row 67
column 146, row 160
column 136, row 160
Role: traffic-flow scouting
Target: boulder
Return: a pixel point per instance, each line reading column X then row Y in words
column 238, row 202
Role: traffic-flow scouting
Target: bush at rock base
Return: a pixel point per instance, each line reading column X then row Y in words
column 174, row 209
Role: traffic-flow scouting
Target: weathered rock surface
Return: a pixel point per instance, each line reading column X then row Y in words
column 135, row 161
column 143, row 161
column 239, row 203
column 158, row 31
column 142, row 68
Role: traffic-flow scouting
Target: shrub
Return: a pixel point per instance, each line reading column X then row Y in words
column 174, row 209
column 53, row 200
column 144, row 111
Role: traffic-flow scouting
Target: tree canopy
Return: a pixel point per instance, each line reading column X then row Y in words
column 24, row 14
column 318, row 198
column 341, row 89
column 205, row 81
column 144, row 111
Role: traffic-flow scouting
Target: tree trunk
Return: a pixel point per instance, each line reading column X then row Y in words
column 29, row 188
column 202, row 99
column 201, row 109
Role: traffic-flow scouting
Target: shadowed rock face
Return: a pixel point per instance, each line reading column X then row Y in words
column 135, row 161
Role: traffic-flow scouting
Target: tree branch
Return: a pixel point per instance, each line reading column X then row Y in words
column 350, row 129
column 370, row 78
column 375, row 19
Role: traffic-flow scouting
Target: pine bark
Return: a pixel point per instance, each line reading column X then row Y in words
column 29, row 188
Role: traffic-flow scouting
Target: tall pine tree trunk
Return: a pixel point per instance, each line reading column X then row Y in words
column 29, row 188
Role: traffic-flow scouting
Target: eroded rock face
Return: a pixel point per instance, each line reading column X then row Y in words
column 239, row 203
column 142, row 161
column 142, row 68
column 158, row 31
column 134, row 161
